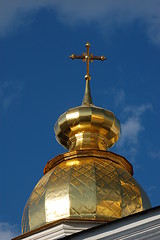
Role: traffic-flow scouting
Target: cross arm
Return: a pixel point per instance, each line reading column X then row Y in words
column 102, row 58
column 73, row 56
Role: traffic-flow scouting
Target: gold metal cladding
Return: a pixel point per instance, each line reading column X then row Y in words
column 84, row 188
column 87, row 99
column 87, row 57
column 87, row 127
column 81, row 154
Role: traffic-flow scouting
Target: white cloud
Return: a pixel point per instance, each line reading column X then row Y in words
column 7, row 231
column 119, row 98
column 137, row 111
column 133, row 125
column 131, row 129
column 9, row 91
column 107, row 13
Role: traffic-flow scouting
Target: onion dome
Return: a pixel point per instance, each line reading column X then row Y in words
column 87, row 126
column 88, row 183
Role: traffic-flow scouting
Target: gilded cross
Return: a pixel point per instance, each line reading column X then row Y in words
column 87, row 57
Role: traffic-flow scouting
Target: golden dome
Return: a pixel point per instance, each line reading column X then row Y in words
column 87, row 183
column 87, row 127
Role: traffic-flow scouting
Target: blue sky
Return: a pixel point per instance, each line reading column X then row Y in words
column 38, row 82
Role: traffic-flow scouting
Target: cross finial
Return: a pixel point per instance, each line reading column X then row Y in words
column 87, row 57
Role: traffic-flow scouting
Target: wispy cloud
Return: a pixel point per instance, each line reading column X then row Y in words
column 9, row 91
column 120, row 98
column 131, row 123
column 137, row 111
column 130, row 130
column 107, row 13
column 132, row 126
column 7, row 231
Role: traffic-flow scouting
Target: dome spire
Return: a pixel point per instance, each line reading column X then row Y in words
column 87, row 57
column 87, row 99
column 87, row 126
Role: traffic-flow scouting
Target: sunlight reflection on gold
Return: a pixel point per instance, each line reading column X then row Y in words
column 71, row 163
column 56, row 207
column 72, row 115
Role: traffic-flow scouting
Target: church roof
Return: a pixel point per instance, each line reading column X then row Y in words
column 145, row 224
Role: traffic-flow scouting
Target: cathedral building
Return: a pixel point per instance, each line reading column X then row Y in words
column 88, row 192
